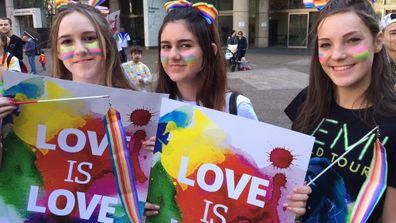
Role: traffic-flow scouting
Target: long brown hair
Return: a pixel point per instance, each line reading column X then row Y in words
column 114, row 76
column 320, row 92
column 213, row 75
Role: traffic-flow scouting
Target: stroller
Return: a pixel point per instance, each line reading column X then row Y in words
column 230, row 54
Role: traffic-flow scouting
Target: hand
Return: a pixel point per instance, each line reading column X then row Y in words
column 297, row 202
column 151, row 209
column 6, row 106
column 150, row 143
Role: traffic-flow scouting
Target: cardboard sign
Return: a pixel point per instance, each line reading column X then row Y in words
column 210, row 166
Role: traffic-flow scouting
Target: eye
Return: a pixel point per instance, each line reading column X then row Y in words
column 324, row 45
column 90, row 38
column 66, row 42
column 165, row 46
column 185, row 45
column 354, row 40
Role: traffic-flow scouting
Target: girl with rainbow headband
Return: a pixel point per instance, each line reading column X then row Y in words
column 193, row 69
column 350, row 92
column 83, row 48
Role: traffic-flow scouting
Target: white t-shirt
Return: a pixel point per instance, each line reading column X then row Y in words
column 244, row 106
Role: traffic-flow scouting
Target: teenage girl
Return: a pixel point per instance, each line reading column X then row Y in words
column 350, row 92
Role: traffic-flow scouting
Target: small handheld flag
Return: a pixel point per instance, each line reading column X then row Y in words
column 122, row 165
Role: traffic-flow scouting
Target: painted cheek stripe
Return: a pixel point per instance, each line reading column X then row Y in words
column 322, row 57
column 190, row 59
column 360, row 53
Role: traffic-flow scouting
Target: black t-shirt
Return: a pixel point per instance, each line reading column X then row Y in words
column 335, row 192
column 16, row 47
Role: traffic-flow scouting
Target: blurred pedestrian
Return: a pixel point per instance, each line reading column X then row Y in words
column 137, row 73
column 30, row 51
column 122, row 38
column 242, row 46
column 42, row 59
column 7, row 60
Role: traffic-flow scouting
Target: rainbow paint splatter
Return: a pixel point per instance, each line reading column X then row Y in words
column 322, row 57
column 360, row 53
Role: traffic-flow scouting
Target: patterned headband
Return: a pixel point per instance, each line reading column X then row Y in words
column 319, row 4
column 94, row 3
column 207, row 11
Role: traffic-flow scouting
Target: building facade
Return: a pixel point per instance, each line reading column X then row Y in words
column 274, row 23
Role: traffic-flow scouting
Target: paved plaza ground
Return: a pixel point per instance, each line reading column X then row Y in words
column 277, row 75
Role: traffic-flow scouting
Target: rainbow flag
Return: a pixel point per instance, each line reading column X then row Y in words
column 308, row 3
column 122, row 165
column 374, row 186
column 319, row 4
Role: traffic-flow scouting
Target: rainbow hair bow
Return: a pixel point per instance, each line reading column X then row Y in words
column 207, row 11
column 319, row 4
column 94, row 3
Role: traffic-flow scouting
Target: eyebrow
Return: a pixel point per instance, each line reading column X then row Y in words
column 84, row 33
column 345, row 35
column 179, row 41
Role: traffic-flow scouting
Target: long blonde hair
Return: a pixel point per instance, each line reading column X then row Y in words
column 114, row 76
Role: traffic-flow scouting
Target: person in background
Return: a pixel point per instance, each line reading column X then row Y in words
column 242, row 46
column 30, row 51
column 15, row 45
column 388, row 27
column 7, row 60
column 122, row 38
column 137, row 72
column 42, row 59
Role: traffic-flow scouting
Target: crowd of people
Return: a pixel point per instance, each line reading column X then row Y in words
column 351, row 87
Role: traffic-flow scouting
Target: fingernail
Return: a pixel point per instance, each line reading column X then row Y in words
column 285, row 205
column 11, row 100
column 157, row 206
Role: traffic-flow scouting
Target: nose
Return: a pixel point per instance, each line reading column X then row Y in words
column 338, row 52
column 80, row 48
column 174, row 53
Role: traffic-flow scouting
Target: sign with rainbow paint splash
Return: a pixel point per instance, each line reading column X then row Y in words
column 56, row 161
column 211, row 166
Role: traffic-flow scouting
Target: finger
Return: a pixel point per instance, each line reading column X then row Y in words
column 151, row 206
column 297, row 211
column 150, row 213
column 4, row 111
column 303, row 190
column 298, row 197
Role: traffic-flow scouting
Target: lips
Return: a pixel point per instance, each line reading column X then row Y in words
column 342, row 68
column 81, row 61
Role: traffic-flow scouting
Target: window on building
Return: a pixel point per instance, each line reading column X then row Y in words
column 2, row 8
column 131, row 7
column 296, row 4
column 221, row 5
column 390, row 2
column 20, row 4
column 277, row 5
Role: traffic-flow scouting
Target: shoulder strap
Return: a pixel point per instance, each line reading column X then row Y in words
column 232, row 106
column 9, row 57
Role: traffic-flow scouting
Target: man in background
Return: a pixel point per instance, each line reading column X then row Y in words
column 15, row 46
column 122, row 42
column 30, row 51
column 388, row 26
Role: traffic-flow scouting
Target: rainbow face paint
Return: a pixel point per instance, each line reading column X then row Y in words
column 322, row 57
column 189, row 58
column 360, row 53
column 164, row 57
column 66, row 53
column 94, row 49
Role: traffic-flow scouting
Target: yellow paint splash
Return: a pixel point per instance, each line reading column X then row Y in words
column 202, row 142
column 54, row 115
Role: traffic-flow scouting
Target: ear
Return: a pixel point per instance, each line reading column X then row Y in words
column 379, row 42
column 215, row 49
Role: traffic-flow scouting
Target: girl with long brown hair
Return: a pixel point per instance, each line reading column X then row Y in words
column 350, row 92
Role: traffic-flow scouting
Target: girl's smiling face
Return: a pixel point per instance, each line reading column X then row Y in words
column 347, row 55
column 181, row 54
column 79, row 49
